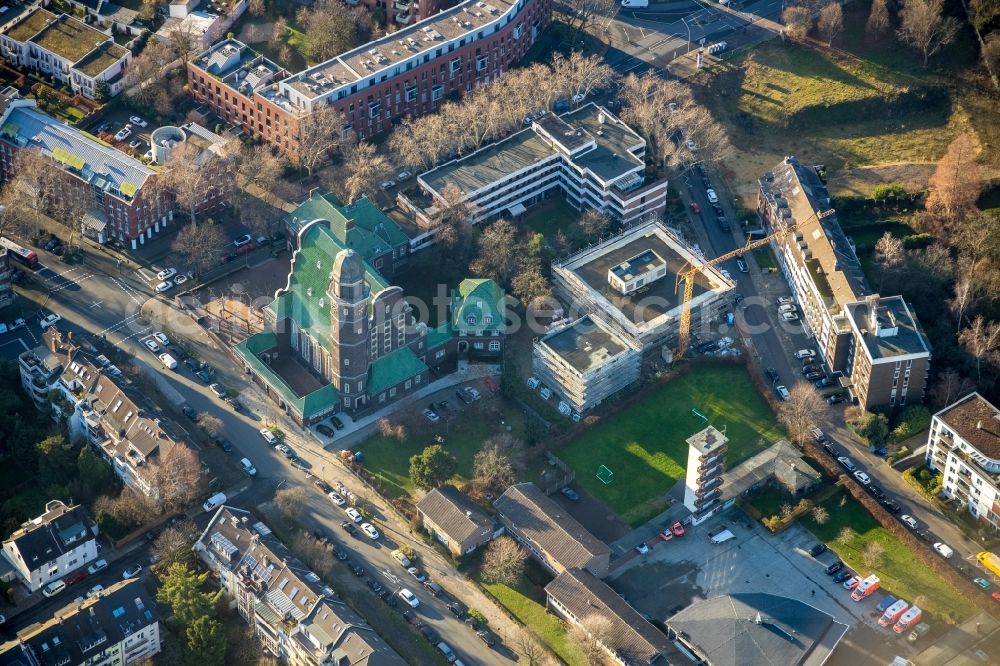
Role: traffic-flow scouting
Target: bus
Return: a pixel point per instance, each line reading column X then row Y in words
column 21, row 254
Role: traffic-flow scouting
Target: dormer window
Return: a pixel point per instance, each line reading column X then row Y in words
column 487, row 320
column 471, row 320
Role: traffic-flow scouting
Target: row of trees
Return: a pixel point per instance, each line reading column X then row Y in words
column 492, row 112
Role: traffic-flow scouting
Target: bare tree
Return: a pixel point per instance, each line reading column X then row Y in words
column 498, row 252
column 956, row 183
column 924, row 28
column 35, row 182
column 190, row 174
column 256, row 8
column 582, row 12
column 831, row 21
column 254, row 169
column 578, row 74
column 949, row 387
column 391, row 430
column 291, row 501
column 210, row 423
column 798, row 21
column 332, row 28
column 492, row 469
column 13, row 213
column 529, row 284
column 530, row 647
column 175, row 545
column 184, row 41
column 279, row 32
column 889, row 250
column 981, row 340
column 878, row 17
column 593, row 223
column 177, row 478
column 595, row 634
column 319, row 136
column 820, row 515
column 142, row 77
column 503, row 562
column 846, row 534
column 873, row 554
column 798, row 413
column 201, row 246
column 365, row 167
column 968, row 287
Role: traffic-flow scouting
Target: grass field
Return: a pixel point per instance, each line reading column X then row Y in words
column 550, row 217
column 389, row 459
column 901, row 572
column 864, row 108
column 645, row 445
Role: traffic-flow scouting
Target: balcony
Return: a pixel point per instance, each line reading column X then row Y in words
column 710, row 497
column 714, row 484
column 403, row 18
column 710, row 467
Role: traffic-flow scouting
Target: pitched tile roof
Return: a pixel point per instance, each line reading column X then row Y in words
column 83, row 630
column 360, row 226
column 548, row 526
column 477, row 298
column 392, row 369
column 454, row 513
column 976, row 421
column 59, row 530
column 584, row 595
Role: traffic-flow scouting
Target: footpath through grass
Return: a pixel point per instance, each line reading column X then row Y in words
column 900, row 571
column 644, row 445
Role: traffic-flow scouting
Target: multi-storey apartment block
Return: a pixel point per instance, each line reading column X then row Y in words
column 705, row 464
column 585, row 362
column 964, row 446
column 69, row 50
column 820, row 265
column 404, row 12
column 116, row 626
column 588, row 155
column 296, row 618
column 124, row 202
column 100, row 406
column 408, row 72
column 48, row 547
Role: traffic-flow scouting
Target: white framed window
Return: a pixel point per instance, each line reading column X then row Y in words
column 374, row 109
column 411, row 94
column 347, row 362
column 482, row 62
column 436, row 93
column 471, row 320
column 408, row 384
column 455, row 65
column 494, row 345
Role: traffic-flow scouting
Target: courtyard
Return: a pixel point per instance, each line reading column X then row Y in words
column 644, row 444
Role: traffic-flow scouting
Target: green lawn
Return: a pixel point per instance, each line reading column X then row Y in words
column 645, row 445
column 552, row 216
column 389, row 459
column 769, row 500
column 527, row 603
column 765, row 258
column 901, row 573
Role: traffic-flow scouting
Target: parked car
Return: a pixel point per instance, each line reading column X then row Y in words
column 804, row 353
column 54, row 588
column 695, row 208
column 348, row 527
column 486, row 637
column 862, row 478
column 834, row 399
column 219, row 392
column 834, row 568
column 431, row 416
column 982, row 582
column 818, row 549
column 642, row 548
column 136, row 120
column 569, row 494
column 772, row 374
column 49, row 320
column 132, row 571
column 831, row 449
column 337, row 423
column 892, row 505
column 814, row 375
column 151, row 346
column 742, row 265
column 789, row 316
column 944, row 550
column 824, row 383
column 409, row 598
column 166, row 285
column 166, row 274
column 876, row 492
column 782, row 392
column 852, row 582
column 222, row 443
column 370, row 530
column 847, row 463
column 324, row 430
column 98, row 565
column 162, row 339
column 354, row 515
column 417, row 574
column 677, row 529
column 909, row 521
column 123, row 133
column 336, row 498
column 712, row 196
column 842, row 575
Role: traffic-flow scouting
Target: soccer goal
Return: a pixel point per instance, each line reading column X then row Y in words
column 605, row 475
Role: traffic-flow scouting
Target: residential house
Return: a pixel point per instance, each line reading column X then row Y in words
column 874, row 344
column 479, row 319
column 116, row 626
column 585, row 601
column 295, row 617
column 360, row 226
column 963, row 445
column 553, row 537
column 46, row 548
column 407, row 72
column 455, row 520
column 119, row 190
column 588, row 155
column 73, row 53
column 780, row 464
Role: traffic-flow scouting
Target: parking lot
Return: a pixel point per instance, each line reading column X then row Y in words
column 128, row 132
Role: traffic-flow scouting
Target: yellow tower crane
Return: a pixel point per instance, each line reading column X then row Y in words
column 690, row 271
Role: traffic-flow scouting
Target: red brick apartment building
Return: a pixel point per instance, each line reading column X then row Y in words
column 410, row 72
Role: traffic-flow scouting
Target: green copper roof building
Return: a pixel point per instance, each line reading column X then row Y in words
column 478, row 318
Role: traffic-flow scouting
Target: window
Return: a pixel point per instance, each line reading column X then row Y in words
column 455, row 65
column 347, row 362
column 436, row 93
column 408, row 384
column 494, row 345
column 411, row 94
column 487, row 320
column 471, row 320
column 374, row 109
column 482, row 62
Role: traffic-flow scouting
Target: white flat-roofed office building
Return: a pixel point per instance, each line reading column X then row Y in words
column 585, row 362
column 648, row 317
column 588, row 155
column 964, row 446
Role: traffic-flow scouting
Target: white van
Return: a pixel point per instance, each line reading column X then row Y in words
column 168, row 361
column 214, row 501
column 54, row 588
column 722, row 537
column 635, row 4
column 248, row 467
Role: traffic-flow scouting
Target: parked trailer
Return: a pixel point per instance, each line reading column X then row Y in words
column 990, row 561
column 918, row 631
column 892, row 613
column 910, row 618
column 865, row 587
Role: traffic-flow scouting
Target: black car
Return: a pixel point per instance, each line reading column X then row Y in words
column 806, row 369
column 376, row 586
column 341, row 554
column 718, row 209
column 817, row 549
column 16, row 275
column 430, row 635
column 319, row 536
column 348, row 527
column 189, row 412
column 741, row 264
column 464, row 398
column 834, row 399
column 706, row 346
column 831, row 449
column 823, row 383
column 876, row 492
column 834, row 568
column 412, row 618
column 325, row 430
column 235, row 404
column 926, row 536
column 892, row 505
column 842, row 575
column 223, row 443
column 486, row 637
column 457, row 609
column 814, row 375
column 772, row 374
column 192, row 364
column 323, row 486
column 724, row 224
column 389, row 598
column 356, row 569
column 337, row 423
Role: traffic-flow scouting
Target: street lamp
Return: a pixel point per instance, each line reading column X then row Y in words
column 684, row 21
